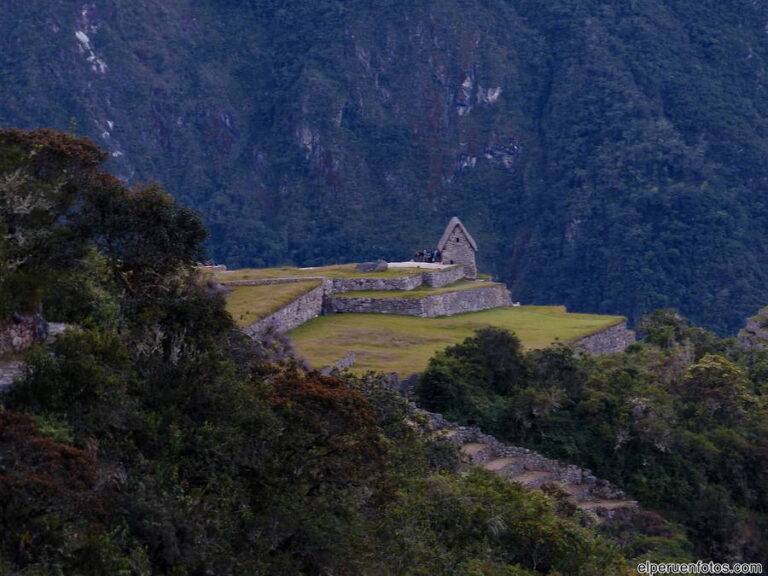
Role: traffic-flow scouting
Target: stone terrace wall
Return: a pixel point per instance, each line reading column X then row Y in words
column 446, row 304
column 527, row 459
column 340, row 285
column 440, row 278
column 613, row 339
column 268, row 281
column 482, row 298
column 301, row 310
column 434, row 278
column 368, row 305
column 19, row 334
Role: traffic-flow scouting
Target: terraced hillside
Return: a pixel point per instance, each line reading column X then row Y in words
column 248, row 304
column 404, row 344
column 393, row 320
column 599, row 498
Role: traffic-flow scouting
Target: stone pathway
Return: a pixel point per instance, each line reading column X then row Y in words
column 598, row 497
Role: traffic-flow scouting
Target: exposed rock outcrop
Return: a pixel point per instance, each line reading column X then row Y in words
column 755, row 333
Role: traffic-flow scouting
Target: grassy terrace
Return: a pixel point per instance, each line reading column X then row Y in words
column 404, row 344
column 419, row 292
column 338, row 271
column 247, row 304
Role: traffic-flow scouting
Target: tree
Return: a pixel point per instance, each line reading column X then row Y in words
column 496, row 351
column 57, row 204
column 715, row 390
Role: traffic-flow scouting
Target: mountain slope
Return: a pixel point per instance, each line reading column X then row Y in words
column 606, row 155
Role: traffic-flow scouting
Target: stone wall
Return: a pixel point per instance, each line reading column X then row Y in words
column 311, row 304
column 525, row 459
column 458, row 250
column 482, row 298
column 445, row 304
column 612, row 339
column 268, row 281
column 344, row 363
column 435, row 278
column 18, row 334
column 440, row 278
column 301, row 310
column 341, row 285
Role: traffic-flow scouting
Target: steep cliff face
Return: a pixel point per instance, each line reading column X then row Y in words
column 605, row 155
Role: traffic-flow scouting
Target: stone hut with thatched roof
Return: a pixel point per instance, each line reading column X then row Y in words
column 458, row 247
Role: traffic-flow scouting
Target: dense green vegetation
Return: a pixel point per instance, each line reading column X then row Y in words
column 606, row 155
column 680, row 421
column 153, row 439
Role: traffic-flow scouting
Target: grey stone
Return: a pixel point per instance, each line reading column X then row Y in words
column 378, row 266
column 343, row 363
column 445, row 304
column 19, row 333
column 301, row 310
column 458, row 247
column 755, row 333
column 613, row 339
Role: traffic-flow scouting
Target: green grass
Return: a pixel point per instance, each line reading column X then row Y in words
column 404, row 344
column 337, row 271
column 419, row 292
column 247, row 304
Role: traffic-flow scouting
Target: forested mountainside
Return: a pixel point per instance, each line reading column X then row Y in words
column 605, row 155
column 151, row 438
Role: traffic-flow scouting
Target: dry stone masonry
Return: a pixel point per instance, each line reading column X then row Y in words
column 612, row 339
column 598, row 497
column 458, row 250
column 20, row 332
column 445, row 304
column 458, row 247
column 301, row 310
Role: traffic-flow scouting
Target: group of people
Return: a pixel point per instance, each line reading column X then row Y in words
column 427, row 256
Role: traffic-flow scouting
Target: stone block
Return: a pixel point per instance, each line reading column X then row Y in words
column 378, row 266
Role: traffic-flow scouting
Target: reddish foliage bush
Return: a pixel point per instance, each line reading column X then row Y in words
column 39, row 475
column 332, row 418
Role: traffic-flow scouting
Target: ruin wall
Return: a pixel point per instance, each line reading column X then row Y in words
column 445, row 304
column 301, row 310
column 16, row 335
column 609, row 340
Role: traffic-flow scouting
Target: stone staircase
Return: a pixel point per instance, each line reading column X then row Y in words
column 599, row 498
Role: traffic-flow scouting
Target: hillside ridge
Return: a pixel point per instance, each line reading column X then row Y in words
column 607, row 156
